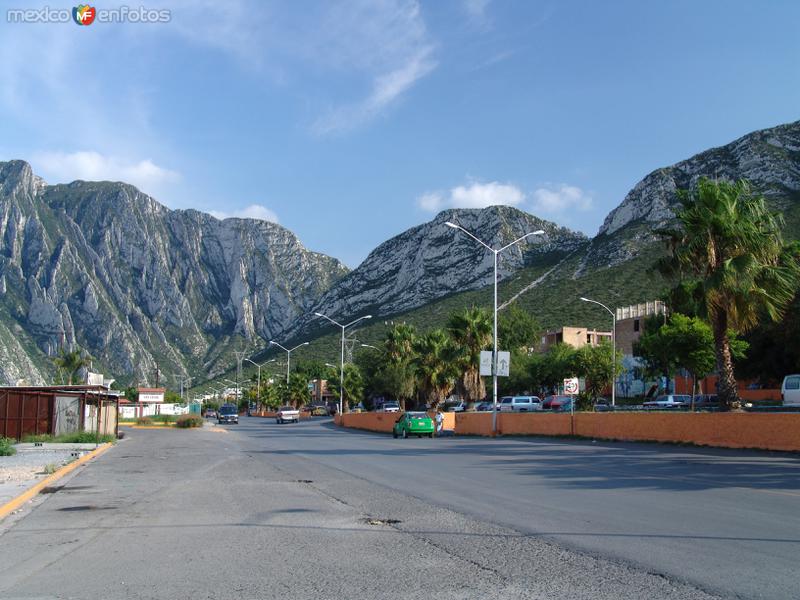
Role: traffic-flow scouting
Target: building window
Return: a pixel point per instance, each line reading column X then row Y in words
column 636, row 325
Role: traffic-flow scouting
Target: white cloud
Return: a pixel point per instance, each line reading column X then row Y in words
column 559, row 199
column 59, row 167
column 476, row 9
column 254, row 211
column 473, row 195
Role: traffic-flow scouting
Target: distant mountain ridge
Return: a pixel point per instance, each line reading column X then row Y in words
column 107, row 267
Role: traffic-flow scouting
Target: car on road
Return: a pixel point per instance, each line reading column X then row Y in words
column 319, row 410
column 520, row 404
column 390, row 406
column 669, row 401
column 790, row 390
column 484, row 406
column 555, row 402
column 211, row 414
column 603, row 405
column 228, row 413
column 413, row 423
column 287, row 414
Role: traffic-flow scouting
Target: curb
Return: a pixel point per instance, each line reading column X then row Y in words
column 28, row 494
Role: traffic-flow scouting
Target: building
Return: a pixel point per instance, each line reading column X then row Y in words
column 320, row 393
column 631, row 321
column 57, row 409
column 577, row 337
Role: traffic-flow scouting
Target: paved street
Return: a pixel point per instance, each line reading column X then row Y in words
column 298, row 511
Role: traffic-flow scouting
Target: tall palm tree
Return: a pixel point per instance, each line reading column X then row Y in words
column 353, row 386
column 398, row 353
column 71, row 363
column 471, row 331
column 731, row 245
column 435, row 365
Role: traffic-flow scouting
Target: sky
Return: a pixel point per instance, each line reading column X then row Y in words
column 350, row 121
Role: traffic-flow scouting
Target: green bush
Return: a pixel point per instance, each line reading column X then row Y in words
column 187, row 421
column 165, row 418
column 144, row 421
column 7, row 447
column 84, row 437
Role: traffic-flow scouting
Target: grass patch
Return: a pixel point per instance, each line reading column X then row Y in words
column 77, row 437
column 7, row 447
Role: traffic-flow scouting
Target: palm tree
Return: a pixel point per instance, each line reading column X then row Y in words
column 71, row 363
column 353, row 386
column 397, row 374
column 731, row 245
column 297, row 393
column 435, row 365
column 471, row 331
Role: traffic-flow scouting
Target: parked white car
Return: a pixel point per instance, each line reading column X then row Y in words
column 460, row 407
column 390, row 406
column 669, row 401
column 520, row 404
column 790, row 390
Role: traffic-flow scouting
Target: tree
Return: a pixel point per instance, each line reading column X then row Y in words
column 396, row 376
column 594, row 364
column 557, row 364
column 71, row 363
column 517, row 329
column 297, row 393
column 435, row 366
column 353, row 387
column 731, row 243
column 471, row 331
column 654, row 349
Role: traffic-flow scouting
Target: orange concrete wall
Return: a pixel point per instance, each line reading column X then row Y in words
column 725, row 430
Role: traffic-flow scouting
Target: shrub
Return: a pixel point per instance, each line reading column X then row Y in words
column 144, row 421
column 164, row 418
column 187, row 421
column 42, row 437
column 7, row 447
column 84, row 437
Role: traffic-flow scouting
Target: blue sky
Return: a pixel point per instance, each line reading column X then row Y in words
column 349, row 122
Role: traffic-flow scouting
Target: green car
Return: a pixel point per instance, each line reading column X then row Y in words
column 413, row 423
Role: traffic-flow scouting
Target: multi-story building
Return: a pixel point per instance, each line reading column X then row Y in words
column 631, row 322
column 577, row 337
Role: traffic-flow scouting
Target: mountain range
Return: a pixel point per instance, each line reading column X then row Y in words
column 146, row 289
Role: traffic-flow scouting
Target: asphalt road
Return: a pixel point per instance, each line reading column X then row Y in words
column 300, row 511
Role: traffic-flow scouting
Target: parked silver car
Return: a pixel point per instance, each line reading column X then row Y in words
column 669, row 401
column 520, row 404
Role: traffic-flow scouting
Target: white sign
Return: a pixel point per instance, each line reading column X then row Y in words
column 94, row 378
column 571, row 386
column 151, row 397
column 503, row 363
column 486, row 363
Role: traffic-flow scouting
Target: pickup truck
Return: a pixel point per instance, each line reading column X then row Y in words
column 287, row 414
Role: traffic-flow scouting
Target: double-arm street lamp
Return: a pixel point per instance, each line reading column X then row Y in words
column 341, row 367
column 258, row 384
column 496, row 252
column 288, row 355
column 613, row 348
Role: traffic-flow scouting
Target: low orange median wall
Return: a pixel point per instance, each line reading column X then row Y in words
column 779, row 431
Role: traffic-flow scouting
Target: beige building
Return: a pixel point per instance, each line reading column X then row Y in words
column 630, row 323
column 577, row 337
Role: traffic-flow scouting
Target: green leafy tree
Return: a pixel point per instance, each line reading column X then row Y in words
column 71, row 363
column 557, row 364
column 594, row 364
column 517, row 329
column 471, row 331
column 271, row 395
column 131, row 394
column 353, row 387
column 435, row 366
column 730, row 243
column 297, row 392
column 653, row 349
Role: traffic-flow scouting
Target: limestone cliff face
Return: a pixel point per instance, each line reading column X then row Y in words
column 107, row 267
column 432, row 260
column 769, row 159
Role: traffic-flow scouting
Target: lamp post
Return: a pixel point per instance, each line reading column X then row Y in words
column 288, row 355
column 258, row 384
column 370, row 346
column 496, row 252
column 613, row 348
column 341, row 371
column 187, row 379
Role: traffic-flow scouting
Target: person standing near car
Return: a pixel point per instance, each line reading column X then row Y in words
column 439, row 421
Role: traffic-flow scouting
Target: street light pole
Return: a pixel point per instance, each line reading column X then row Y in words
column 341, row 371
column 613, row 348
column 288, row 355
column 258, row 384
column 496, row 253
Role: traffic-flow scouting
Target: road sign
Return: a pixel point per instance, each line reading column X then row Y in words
column 571, row 386
column 486, row 363
column 503, row 363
